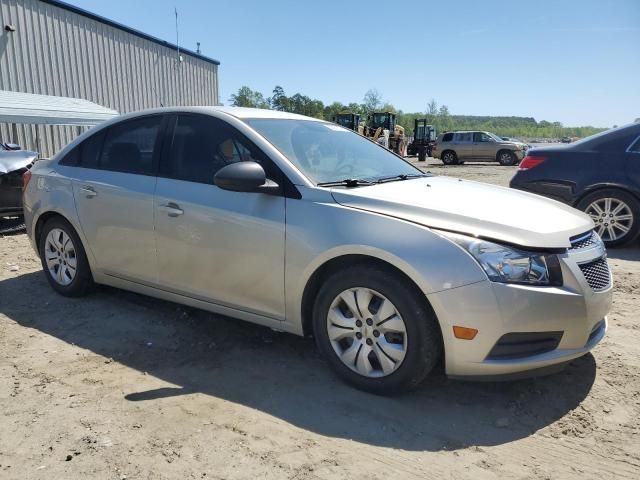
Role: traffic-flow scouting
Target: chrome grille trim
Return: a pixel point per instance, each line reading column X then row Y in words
column 584, row 240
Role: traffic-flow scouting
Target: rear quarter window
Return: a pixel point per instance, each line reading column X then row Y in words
column 87, row 153
column 447, row 137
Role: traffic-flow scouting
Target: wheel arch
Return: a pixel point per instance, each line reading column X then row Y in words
column 44, row 217
column 604, row 186
column 345, row 261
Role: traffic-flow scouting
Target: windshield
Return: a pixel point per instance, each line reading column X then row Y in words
column 326, row 152
column 495, row 137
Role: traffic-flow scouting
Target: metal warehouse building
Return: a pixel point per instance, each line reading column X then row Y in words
column 49, row 47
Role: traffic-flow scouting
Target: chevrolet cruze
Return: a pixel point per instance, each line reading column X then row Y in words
column 306, row 227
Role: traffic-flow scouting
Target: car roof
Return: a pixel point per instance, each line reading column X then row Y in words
column 238, row 112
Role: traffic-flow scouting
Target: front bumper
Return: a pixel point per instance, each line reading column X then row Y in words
column 496, row 309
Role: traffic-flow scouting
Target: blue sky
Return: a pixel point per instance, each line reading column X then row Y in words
column 572, row 61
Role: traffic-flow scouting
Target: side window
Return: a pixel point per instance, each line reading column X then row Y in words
column 129, row 146
column 72, row 159
column 481, row 137
column 87, row 153
column 90, row 150
column 447, row 137
column 466, row 137
column 201, row 145
column 635, row 146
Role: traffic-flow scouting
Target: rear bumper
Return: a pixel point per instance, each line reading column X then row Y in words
column 496, row 309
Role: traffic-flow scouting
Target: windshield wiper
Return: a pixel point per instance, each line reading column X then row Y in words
column 347, row 182
column 402, row 176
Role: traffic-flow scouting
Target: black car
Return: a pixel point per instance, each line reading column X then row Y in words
column 13, row 163
column 599, row 175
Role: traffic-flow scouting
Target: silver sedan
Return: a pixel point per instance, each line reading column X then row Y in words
column 306, row 227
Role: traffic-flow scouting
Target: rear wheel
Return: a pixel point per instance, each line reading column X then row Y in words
column 616, row 214
column 449, row 158
column 506, row 158
column 375, row 331
column 63, row 258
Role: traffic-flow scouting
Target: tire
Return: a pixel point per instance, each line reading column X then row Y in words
column 449, row 157
column 506, row 158
column 422, row 155
column 419, row 346
column 59, row 245
column 606, row 202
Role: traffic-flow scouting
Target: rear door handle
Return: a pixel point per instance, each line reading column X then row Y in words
column 172, row 209
column 88, row 191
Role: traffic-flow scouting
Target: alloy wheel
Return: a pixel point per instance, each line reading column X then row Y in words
column 505, row 158
column 613, row 218
column 60, row 257
column 367, row 332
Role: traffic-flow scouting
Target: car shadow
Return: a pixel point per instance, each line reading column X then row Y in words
column 282, row 375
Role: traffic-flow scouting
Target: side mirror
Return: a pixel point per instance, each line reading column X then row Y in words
column 244, row 177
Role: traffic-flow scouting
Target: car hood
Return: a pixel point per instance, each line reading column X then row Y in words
column 13, row 160
column 473, row 208
column 513, row 144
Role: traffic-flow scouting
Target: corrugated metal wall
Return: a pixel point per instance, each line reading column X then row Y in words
column 58, row 52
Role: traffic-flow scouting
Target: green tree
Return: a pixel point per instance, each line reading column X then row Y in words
column 371, row 102
column 278, row 99
column 432, row 110
column 248, row 98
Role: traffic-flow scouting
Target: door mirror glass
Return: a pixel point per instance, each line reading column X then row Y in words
column 244, row 177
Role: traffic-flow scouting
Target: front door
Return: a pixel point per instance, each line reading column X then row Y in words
column 484, row 147
column 114, row 187
column 216, row 245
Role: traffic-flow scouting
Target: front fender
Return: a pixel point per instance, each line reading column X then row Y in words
column 431, row 261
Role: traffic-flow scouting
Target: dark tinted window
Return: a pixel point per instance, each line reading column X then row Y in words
column 201, row 145
column 87, row 153
column 72, row 158
column 90, row 150
column 447, row 137
column 129, row 146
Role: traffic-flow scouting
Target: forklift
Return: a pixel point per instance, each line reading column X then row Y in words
column 348, row 120
column 424, row 137
column 382, row 128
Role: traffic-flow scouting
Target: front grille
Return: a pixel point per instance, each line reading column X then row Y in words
column 596, row 273
column 583, row 241
column 524, row 344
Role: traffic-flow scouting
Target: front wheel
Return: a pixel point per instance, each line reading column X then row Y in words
column 615, row 213
column 375, row 330
column 507, row 158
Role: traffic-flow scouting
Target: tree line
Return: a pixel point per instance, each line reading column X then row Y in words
column 437, row 115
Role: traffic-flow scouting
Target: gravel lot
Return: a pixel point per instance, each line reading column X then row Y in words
column 117, row 385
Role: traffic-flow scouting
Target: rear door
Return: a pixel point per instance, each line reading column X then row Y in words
column 216, row 245
column 114, row 191
column 463, row 145
column 633, row 164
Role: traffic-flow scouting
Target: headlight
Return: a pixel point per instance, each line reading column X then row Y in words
column 509, row 265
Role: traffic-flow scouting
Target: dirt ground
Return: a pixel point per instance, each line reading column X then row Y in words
column 117, row 385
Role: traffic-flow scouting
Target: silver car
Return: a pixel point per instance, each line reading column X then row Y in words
column 307, row 227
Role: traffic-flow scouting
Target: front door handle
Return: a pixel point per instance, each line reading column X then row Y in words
column 172, row 209
column 88, row 191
